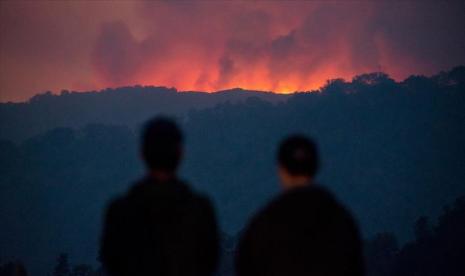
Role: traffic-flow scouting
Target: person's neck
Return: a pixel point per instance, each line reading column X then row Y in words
column 162, row 176
column 298, row 182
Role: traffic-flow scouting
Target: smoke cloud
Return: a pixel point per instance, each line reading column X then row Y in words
column 210, row 46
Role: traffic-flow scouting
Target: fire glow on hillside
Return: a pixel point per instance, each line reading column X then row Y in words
column 280, row 46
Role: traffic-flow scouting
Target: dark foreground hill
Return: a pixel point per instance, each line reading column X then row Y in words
column 391, row 151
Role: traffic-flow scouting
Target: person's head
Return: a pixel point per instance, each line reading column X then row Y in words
column 297, row 161
column 162, row 146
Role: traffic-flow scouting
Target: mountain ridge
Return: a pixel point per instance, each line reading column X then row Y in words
column 132, row 105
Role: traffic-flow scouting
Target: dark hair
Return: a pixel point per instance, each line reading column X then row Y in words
column 161, row 144
column 299, row 155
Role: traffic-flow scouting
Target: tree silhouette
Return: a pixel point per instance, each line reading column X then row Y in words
column 62, row 266
column 380, row 254
column 82, row 270
column 12, row 269
column 435, row 251
column 422, row 229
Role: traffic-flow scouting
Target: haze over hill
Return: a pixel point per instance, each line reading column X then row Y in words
column 392, row 151
column 128, row 106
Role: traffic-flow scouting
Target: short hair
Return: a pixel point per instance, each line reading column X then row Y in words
column 298, row 154
column 161, row 144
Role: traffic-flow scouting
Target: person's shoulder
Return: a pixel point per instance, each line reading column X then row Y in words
column 323, row 202
column 121, row 202
column 196, row 197
column 314, row 194
column 295, row 202
column 202, row 200
column 117, row 205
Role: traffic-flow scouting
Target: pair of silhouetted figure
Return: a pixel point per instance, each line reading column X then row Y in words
column 162, row 227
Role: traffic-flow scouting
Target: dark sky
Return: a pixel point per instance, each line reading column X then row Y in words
column 281, row 46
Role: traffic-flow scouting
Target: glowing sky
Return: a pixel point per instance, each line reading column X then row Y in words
column 280, row 46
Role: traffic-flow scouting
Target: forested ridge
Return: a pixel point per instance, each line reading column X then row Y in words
column 393, row 152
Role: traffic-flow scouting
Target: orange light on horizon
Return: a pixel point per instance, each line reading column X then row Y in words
column 259, row 79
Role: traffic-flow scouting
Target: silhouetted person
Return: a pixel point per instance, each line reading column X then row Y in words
column 304, row 231
column 160, row 227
